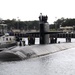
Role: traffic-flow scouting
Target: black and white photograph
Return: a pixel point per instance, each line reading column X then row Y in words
column 37, row 37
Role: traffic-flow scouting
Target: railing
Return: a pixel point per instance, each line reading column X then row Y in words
column 57, row 35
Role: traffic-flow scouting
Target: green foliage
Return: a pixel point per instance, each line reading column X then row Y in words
column 69, row 22
column 26, row 25
column 58, row 23
column 62, row 22
column 29, row 25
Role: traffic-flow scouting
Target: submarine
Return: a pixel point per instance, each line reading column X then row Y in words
column 31, row 50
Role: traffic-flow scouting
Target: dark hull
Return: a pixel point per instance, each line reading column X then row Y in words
column 6, row 56
column 7, row 45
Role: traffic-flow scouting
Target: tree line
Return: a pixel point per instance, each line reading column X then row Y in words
column 62, row 22
column 29, row 25
column 26, row 25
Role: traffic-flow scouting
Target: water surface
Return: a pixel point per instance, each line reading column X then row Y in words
column 60, row 63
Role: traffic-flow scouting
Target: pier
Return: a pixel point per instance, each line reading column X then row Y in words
column 44, row 34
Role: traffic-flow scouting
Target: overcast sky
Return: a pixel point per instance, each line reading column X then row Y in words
column 30, row 9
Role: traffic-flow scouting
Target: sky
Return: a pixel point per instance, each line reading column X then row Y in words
column 30, row 9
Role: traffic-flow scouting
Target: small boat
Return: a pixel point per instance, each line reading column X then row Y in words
column 7, row 41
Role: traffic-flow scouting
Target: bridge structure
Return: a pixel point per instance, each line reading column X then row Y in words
column 45, row 35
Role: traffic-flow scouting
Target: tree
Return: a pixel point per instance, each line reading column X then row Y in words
column 59, row 22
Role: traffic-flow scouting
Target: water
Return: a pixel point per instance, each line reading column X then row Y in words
column 60, row 63
column 59, row 39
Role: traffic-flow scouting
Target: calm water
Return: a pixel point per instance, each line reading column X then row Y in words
column 60, row 63
column 59, row 39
